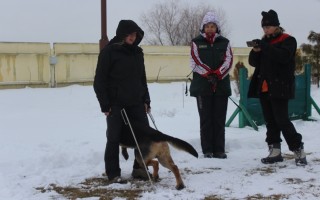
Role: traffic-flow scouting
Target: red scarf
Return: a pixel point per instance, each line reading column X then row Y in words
column 280, row 38
column 210, row 38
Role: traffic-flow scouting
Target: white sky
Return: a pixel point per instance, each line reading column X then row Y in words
column 79, row 20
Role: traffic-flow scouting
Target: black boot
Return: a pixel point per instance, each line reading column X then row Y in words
column 220, row 155
column 117, row 179
column 274, row 154
column 140, row 172
column 300, row 156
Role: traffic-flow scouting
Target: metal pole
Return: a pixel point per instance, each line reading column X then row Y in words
column 104, row 38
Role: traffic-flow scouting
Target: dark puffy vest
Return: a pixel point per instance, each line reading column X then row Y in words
column 213, row 56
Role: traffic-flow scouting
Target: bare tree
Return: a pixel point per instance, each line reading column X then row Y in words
column 173, row 23
column 300, row 61
column 312, row 52
column 236, row 76
column 153, row 26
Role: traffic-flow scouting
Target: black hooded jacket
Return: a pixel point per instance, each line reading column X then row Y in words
column 120, row 74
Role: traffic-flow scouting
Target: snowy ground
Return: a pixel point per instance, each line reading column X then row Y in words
column 57, row 136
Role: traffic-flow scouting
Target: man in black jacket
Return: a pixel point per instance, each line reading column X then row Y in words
column 120, row 83
column 273, row 82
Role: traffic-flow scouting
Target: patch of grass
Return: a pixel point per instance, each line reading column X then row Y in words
column 293, row 180
column 271, row 197
column 262, row 171
column 298, row 181
column 206, row 170
column 213, row 197
column 265, row 171
column 92, row 187
column 316, row 160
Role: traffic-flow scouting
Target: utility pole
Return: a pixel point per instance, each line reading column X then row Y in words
column 104, row 38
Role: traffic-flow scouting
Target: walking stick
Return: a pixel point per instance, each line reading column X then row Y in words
column 127, row 122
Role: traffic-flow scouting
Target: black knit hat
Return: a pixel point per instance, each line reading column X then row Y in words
column 270, row 18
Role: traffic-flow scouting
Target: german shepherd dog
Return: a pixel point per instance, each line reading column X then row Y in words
column 154, row 144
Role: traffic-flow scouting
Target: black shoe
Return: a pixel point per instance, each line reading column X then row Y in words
column 271, row 160
column 140, row 173
column 274, row 154
column 220, row 155
column 117, row 179
column 208, row 155
column 300, row 156
column 301, row 161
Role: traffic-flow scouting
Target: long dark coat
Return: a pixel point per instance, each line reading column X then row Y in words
column 276, row 65
column 120, row 74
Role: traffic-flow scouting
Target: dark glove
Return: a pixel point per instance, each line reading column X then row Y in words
column 213, row 79
column 147, row 102
column 260, row 43
column 257, row 43
column 147, row 106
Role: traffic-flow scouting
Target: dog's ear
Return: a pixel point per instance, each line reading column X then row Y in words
column 124, row 153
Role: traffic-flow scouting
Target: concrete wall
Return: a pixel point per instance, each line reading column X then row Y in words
column 39, row 64
column 24, row 63
column 75, row 62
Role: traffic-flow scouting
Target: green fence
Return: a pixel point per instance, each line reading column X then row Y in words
column 249, row 109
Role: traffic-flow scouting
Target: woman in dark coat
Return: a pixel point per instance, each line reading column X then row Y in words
column 273, row 82
column 211, row 60
column 120, row 83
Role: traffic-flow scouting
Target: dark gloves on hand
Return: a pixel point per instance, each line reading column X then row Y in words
column 212, row 78
column 259, row 43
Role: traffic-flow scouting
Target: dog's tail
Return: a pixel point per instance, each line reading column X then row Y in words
column 158, row 136
column 144, row 133
column 180, row 144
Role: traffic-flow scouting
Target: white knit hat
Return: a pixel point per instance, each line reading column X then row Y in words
column 210, row 17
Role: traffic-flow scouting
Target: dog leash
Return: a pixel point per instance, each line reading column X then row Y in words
column 152, row 119
column 127, row 122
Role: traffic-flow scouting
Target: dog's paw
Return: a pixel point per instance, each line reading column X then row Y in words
column 180, row 187
column 156, row 178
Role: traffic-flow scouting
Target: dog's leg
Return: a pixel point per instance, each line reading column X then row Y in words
column 155, row 166
column 168, row 163
column 165, row 159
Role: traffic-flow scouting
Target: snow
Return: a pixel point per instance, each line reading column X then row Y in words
column 57, row 136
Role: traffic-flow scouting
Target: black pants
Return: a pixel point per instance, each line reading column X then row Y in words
column 115, row 123
column 275, row 112
column 212, row 111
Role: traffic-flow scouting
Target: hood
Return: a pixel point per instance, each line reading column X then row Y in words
column 210, row 17
column 126, row 27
